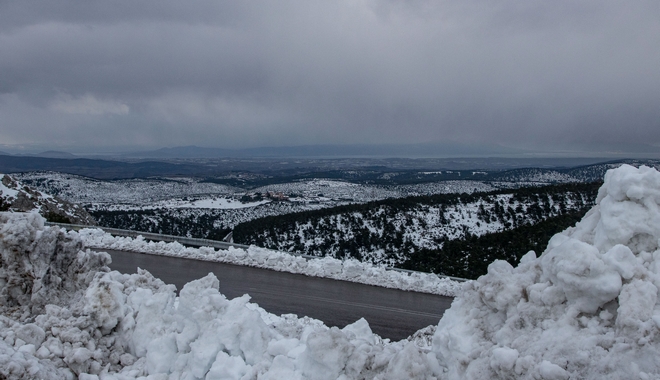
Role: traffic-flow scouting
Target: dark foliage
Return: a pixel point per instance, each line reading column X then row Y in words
column 259, row 231
column 57, row 218
column 470, row 257
column 196, row 226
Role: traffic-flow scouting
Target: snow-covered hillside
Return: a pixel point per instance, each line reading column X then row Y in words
column 16, row 196
column 150, row 204
column 586, row 308
column 131, row 193
column 158, row 192
column 390, row 232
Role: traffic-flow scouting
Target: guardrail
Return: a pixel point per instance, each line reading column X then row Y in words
column 155, row 237
column 193, row 242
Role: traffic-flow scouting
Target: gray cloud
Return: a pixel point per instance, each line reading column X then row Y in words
column 533, row 74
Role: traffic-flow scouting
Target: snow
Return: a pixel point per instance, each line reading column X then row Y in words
column 586, row 308
column 100, row 324
column 208, row 203
column 80, row 189
column 347, row 270
column 420, row 226
column 5, row 191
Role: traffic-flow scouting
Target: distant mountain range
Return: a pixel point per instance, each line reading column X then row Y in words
column 263, row 171
column 99, row 169
column 56, row 154
column 324, row 151
column 306, row 151
column 442, row 150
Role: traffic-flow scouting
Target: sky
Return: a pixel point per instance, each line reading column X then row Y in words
column 524, row 75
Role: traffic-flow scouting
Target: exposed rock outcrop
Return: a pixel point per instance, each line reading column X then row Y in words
column 14, row 196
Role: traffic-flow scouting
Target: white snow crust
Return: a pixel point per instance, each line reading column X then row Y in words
column 586, row 308
column 347, row 270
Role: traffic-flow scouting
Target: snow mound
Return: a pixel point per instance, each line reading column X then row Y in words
column 585, row 309
column 37, row 265
column 66, row 316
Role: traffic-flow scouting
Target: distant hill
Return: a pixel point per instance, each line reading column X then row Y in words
column 393, row 231
column 264, row 171
column 100, row 169
column 324, row 151
column 184, row 152
column 55, row 154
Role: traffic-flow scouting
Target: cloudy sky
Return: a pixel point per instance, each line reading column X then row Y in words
column 521, row 74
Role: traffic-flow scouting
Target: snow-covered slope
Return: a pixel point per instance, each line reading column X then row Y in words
column 586, row 308
column 17, row 197
column 133, row 192
column 391, row 231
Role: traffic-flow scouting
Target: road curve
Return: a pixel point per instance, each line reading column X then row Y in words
column 391, row 313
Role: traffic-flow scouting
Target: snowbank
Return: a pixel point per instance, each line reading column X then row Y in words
column 66, row 316
column 587, row 308
column 328, row 267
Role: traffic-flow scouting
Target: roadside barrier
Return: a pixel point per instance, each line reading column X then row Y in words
column 193, row 242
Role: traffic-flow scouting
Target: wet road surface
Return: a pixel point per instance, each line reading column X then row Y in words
column 391, row 313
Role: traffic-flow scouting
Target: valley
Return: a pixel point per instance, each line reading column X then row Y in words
column 439, row 221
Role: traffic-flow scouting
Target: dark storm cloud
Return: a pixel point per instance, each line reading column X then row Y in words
column 163, row 73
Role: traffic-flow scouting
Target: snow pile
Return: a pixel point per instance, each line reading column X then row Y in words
column 347, row 270
column 585, row 309
column 106, row 325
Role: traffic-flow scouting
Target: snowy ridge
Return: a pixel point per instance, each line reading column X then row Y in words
column 15, row 196
column 148, row 204
column 586, row 308
column 390, row 233
column 80, row 189
column 327, row 267
column 157, row 192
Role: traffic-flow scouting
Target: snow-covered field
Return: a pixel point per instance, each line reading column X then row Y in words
column 86, row 190
column 191, row 199
column 181, row 193
column 208, row 203
column 586, row 308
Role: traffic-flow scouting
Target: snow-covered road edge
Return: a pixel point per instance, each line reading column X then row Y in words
column 327, row 267
column 65, row 315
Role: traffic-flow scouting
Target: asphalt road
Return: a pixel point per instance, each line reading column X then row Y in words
column 391, row 313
